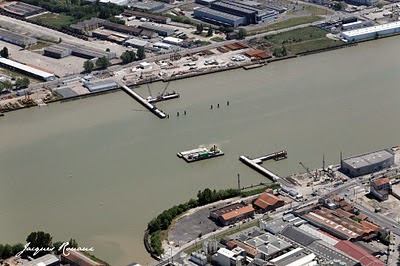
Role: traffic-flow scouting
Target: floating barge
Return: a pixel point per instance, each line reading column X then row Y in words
column 167, row 96
column 200, row 154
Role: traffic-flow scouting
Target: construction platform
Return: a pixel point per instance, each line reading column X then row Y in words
column 201, row 153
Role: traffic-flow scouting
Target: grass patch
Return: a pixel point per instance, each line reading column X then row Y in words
column 16, row 75
column 303, row 40
column 286, row 24
column 193, row 249
column 217, row 39
column 53, row 19
column 316, row 10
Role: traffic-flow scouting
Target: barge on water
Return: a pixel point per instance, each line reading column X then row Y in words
column 201, row 153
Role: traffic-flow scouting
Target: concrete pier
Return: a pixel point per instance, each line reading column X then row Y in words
column 144, row 102
column 254, row 164
column 280, row 155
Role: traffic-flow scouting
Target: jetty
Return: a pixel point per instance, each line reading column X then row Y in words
column 255, row 163
column 144, row 102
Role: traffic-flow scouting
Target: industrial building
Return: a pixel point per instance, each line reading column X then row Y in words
column 358, row 253
column 150, row 6
column 226, row 257
column 162, row 31
column 103, row 85
column 121, row 28
column 115, row 2
column 16, row 39
column 65, row 49
column 136, row 43
column 362, row 2
column 380, row 188
column 87, row 25
column 232, row 213
column 267, row 201
column 21, row 9
column 46, row 260
column 268, row 245
column 367, row 163
column 108, row 35
column 76, row 258
column 218, row 17
column 204, row 2
column 252, row 14
column 371, row 32
column 295, row 257
column 352, row 25
column 151, row 17
column 173, row 40
column 25, row 69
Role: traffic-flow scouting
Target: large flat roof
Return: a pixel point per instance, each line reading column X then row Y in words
column 372, row 29
column 218, row 13
column 32, row 70
column 15, row 36
column 366, row 159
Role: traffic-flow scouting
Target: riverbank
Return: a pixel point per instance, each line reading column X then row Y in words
column 158, row 228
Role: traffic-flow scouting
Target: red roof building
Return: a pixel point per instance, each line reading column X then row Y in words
column 358, row 253
column 268, row 201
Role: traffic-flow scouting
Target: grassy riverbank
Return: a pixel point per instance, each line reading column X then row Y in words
column 286, row 24
column 303, row 40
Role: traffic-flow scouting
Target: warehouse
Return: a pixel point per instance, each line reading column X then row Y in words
column 16, row 39
column 136, row 43
column 87, row 25
column 218, row 17
column 204, row 2
column 150, row 6
column 21, row 9
column 251, row 14
column 116, row 2
column 61, row 49
column 232, row 213
column 173, row 40
column 367, row 163
column 151, row 17
column 28, row 70
column 101, row 85
column 162, row 31
column 121, row 28
column 57, row 52
column 371, row 32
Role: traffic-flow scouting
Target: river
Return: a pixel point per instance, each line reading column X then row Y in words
column 100, row 168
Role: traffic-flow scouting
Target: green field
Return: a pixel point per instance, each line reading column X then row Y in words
column 303, row 40
column 317, row 11
column 53, row 19
column 286, row 24
column 217, row 39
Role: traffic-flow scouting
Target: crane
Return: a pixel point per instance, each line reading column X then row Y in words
column 165, row 89
column 148, row 87
column 312, row 182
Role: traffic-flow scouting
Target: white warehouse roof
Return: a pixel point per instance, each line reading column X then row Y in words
column 367, row 30
column 32, row 70
column 172, row 40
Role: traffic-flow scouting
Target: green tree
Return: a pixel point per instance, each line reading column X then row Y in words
column 17, row 248
column 199, row 28
column 380, row 5
column 7, row 251
column 141, row 54
column 103, row 62
column 22, row 83
column 39, row 239
column 128, row 56
column 210, row 32
column 4, row 52
column 242, row 33
column 73, row 243
column 88, row 66
column 7, row 85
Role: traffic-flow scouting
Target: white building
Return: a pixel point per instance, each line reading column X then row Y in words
column 352, row 25
column 225, row 257
column 173, row 40
column 371, row 32
column 145, row 65
column 161, row 45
